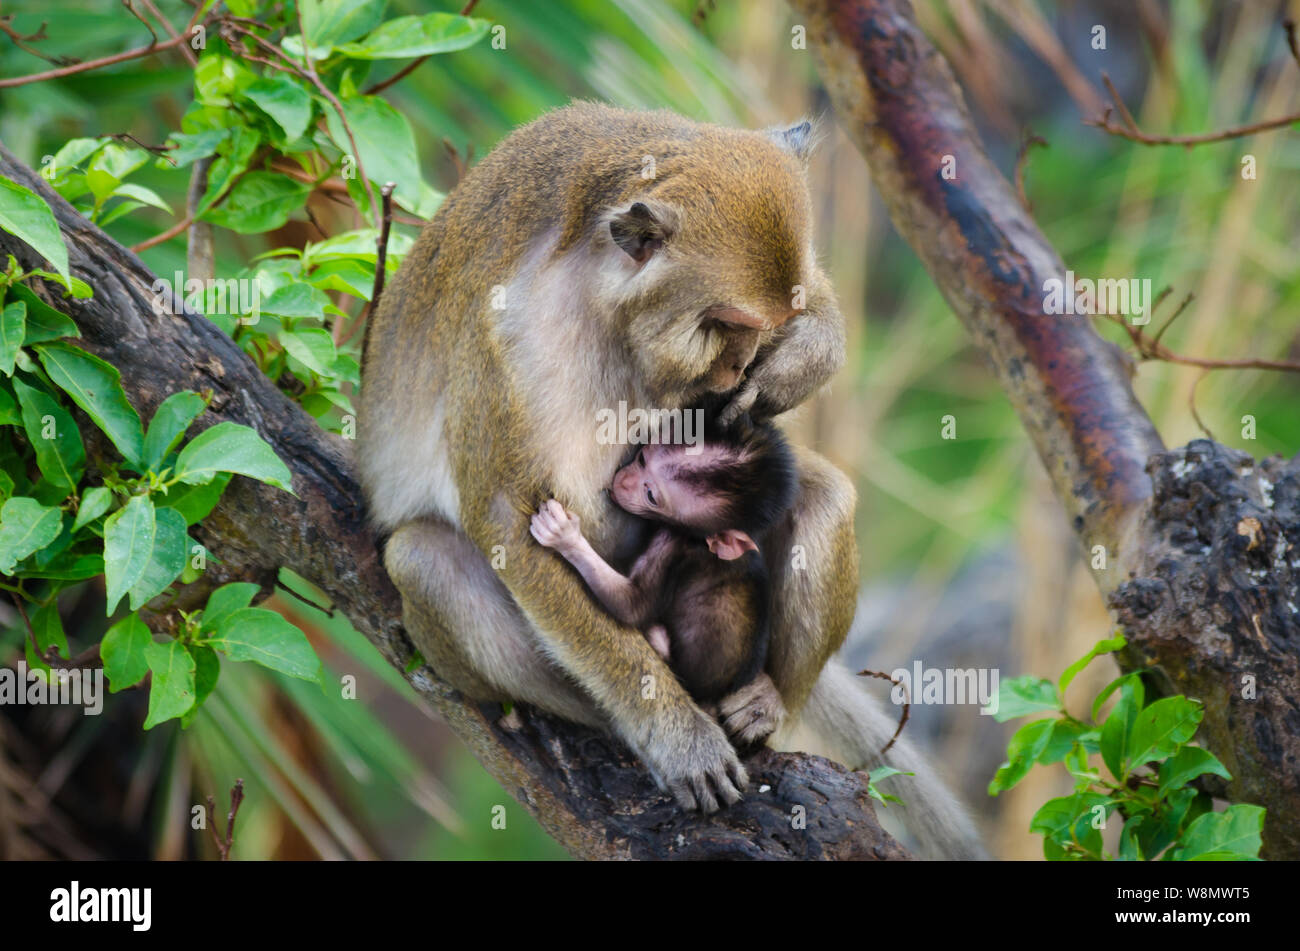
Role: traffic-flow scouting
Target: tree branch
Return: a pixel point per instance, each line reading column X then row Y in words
column 585, row 789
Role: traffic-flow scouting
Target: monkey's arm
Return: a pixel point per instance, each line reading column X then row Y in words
column 628, row 599
column 800, row 357
column 687, row 752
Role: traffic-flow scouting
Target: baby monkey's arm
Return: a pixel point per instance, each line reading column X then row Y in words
column 630, row 599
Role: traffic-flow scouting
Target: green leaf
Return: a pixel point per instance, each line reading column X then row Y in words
column 166, row 561
column 128, row 546
column 53, row 434
column 1106, row 646
column 96, row 386
column 25, row 215
column 260, row 201
column 266, row 638
column 172, row 691
column 43, row 321
column 1022, row 752
column 412, row 36
column 26, row 526
column 70, row 567
column 313, row 347
column 10, row 415
column 1231, row 834
column 230, row 447
column 328, row 22
column 386, row 143
column 1162, row 728
column 13, row 328
column 1185, row 765
column 143, row 195
column 1024, row 695
column 231, row 164
column 1115, row 745
column 297, row 300
column 207, row 669
column 1158, row 832
column 225, row 601
column 123, row 652
column 168, row 426
column 196, row 501
column 94, row 503
column 1068, row 819
column 284, row 101
column 48, row 628
column 191, row 148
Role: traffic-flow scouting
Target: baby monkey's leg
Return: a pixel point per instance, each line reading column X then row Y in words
column 657, row 635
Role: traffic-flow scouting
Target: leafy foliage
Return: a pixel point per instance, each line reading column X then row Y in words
column 1144, row 747
column 57, row 530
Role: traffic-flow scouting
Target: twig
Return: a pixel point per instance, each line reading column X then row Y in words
column 1129, row 129
column 98, row 63
column 21, row 42
column 147, row 25
column 162, row 236
column 1289, row 26
column 1172, row 317
column 223, row 845
column 1191, row 402
column 1026, row 144
column 907, row 703
column 461, row 164
column 414, row 64
column 88, row 659
column 159, row 150
column 342, row 332
column 171, row 30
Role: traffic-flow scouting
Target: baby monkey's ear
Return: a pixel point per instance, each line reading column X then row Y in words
column 729, row 544
column 643, row 229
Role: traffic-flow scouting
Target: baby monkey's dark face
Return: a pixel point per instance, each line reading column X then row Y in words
column 670, row 484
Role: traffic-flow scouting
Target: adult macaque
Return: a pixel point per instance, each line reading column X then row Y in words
column 700, row 589
column 600, row 257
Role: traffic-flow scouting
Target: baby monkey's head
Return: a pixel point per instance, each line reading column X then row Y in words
column 729, row 490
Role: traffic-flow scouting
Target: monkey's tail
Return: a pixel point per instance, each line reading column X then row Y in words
column 849, row 726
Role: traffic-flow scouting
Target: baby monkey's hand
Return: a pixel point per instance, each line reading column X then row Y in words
column 555, row 527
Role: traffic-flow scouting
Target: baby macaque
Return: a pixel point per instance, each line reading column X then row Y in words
column 699, row 590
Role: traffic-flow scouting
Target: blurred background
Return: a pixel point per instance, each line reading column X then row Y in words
column 966, row 558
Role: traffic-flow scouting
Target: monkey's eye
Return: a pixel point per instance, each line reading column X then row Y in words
column 650, row 496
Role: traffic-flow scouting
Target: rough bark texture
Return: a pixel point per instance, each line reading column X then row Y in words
column 1213, row 607
column 586, row 790
column 1201, row 606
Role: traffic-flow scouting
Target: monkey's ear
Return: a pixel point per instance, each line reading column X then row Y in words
column 729, row 544
column 798, row 139
column 642, row 230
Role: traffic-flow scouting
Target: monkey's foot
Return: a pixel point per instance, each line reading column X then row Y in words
column 752, row 713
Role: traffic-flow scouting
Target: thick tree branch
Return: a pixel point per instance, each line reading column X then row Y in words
column 1208, row 606
column 585, row 789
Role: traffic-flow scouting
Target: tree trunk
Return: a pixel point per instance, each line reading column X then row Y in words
column 1207, row 599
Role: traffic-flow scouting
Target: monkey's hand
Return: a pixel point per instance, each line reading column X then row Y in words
column 555, row 527
column 752, row 713
column 699, row 768
column 798, row 359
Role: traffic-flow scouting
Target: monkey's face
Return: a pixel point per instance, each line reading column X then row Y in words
column 656, row 485
column 710, row 261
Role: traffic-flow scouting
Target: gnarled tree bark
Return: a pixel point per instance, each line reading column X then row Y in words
column 1206, row 599
column 585, row 789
